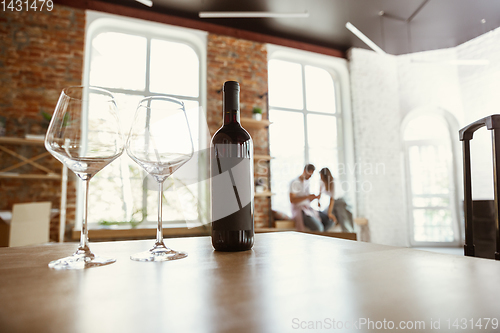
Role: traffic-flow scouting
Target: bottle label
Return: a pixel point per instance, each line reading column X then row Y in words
column 232, row 188
column 240, row 220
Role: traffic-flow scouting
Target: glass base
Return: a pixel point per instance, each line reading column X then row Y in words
column 81, row 261
column 158, row 253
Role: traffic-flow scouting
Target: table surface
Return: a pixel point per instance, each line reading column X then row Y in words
column 287, row 282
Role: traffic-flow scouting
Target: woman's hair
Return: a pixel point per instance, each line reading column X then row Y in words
column 327, row 178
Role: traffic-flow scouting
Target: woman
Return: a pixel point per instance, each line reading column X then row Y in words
column 337, row 211
column 327, row 187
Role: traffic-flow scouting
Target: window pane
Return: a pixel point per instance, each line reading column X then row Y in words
column 322, row 131
column 127, row 104
column 322, row 135
column 172, row 209
column 180, row 198
column 431, row 201
column 186, row 178
column 286, row 137
column 181, row 201
column 430, row 187
column 429, row 169
column 432, row 225
column 121, row 179
column 320, row 91
column 429, row 157
column 193, row 116
column 115, row 194
column 118, row 61
column 286, row 133
column 174, row 69
column 285, row 84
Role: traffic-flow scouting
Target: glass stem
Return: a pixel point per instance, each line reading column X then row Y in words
column 159, row 230
column 84, row 235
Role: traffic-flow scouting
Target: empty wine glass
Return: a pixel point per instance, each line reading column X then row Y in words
column 84, row 134
column 160, row 142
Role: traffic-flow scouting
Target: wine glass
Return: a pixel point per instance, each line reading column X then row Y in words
column 160, row 142
column 84, row 134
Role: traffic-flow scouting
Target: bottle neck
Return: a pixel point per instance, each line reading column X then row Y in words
column 231, row 104
column 231, row 116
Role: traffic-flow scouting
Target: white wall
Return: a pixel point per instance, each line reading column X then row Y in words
column 376, row 121
column 425, row 80
column 386, row 88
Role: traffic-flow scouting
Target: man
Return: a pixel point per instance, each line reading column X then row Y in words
column 301, row 198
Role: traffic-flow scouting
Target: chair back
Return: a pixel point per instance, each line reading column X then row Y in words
column 30, row 223
column 466, row 134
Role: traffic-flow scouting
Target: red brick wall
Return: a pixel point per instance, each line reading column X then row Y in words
column 244, row 61
column 40, row 53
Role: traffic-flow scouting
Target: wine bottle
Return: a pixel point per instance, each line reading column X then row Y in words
column 231, row 165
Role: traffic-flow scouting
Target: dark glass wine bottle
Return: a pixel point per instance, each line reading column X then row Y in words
column 231, row 165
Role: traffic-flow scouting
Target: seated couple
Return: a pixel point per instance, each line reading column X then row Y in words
column 307, row 217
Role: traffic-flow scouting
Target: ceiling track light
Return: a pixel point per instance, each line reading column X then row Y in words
column 453, row 62
column 252, row 15
column 148, row 3
column 365, row 39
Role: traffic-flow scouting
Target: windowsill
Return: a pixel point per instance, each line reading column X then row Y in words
column 178, row 230
column 107, row 233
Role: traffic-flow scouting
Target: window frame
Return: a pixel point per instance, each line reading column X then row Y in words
column 453, row 174
column 97, row 23
column 338, row 69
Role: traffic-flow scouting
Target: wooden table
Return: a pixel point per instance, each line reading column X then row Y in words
column 287, row 281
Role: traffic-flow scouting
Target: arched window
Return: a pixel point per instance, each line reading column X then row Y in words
column 306, row 99
column 431, row 179
column 134, row 59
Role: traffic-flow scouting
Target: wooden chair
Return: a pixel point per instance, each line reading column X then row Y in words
column 492, row 123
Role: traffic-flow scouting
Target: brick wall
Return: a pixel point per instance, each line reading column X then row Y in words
column 244, row 61
column 40, row 53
